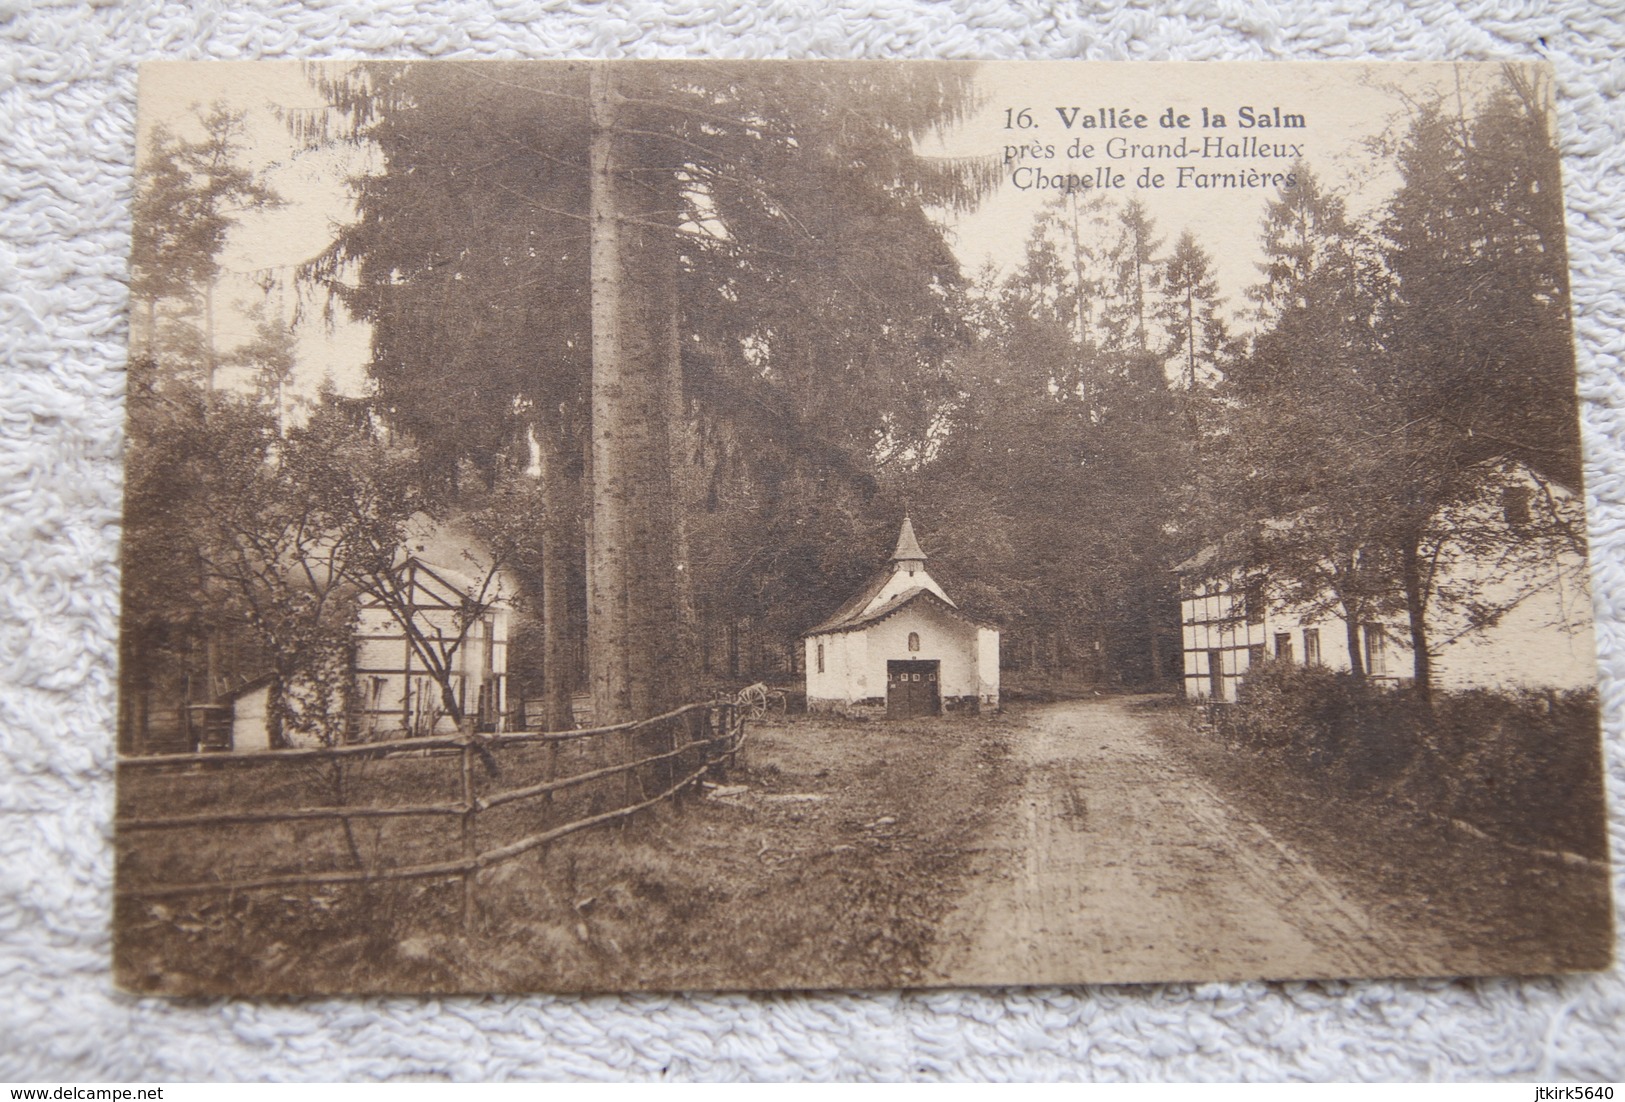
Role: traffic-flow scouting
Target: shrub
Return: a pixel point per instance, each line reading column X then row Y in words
column 1524, row 766
column 1334, row 728
column 1521, row 766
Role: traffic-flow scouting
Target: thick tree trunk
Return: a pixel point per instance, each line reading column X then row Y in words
column 1356, row 661
column 681, row 445
column 558, row 648
column 659, row 680
column 632, row 609
column 608, row 536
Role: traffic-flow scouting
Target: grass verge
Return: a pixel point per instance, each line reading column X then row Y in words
column 830, row 866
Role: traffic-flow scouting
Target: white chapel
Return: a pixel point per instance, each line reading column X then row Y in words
column 902, row 647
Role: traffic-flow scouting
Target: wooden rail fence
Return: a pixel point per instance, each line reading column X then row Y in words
column 667, row 752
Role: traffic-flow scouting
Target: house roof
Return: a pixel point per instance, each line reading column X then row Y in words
column 856, row 619
column 1231, row 546
column 1237, row 545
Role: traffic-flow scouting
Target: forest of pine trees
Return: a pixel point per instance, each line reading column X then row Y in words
column 688, row 340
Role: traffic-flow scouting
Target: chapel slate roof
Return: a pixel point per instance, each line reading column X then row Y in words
column 853, row 608
column 850, row 618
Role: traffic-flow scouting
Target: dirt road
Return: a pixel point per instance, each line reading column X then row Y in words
column 1113, row 861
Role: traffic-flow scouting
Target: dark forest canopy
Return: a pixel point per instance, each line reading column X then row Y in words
column 809, row 275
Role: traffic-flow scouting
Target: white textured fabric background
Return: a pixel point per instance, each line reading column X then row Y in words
column 67, row 100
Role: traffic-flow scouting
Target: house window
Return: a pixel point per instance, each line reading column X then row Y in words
column 1283, row 646
column 1252, row 601
column 1311, row 646
column 1255, row 654
column 913, row 640
column 820, row 658
column 1376, row 651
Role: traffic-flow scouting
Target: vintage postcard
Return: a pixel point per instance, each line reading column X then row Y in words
column 760, row 525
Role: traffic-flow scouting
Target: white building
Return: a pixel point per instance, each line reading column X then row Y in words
column 901, row 644
column 1511, row 606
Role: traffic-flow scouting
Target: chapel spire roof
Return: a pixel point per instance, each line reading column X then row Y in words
column 908, row 548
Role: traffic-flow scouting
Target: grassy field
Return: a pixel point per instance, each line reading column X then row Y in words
column 827, row 862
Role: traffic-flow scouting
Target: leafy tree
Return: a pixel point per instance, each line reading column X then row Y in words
column 1393, row 377
column 1310, row 407
column 1056, row 485
column 1135, row 280
column 221, row 534
column 1479, row 332
column 289, row 529
column 168, row 619
column 269, row 358
column 189, row 194
column 1474, row 237
column 269, row 544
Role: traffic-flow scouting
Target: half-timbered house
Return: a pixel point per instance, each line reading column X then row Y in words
column 433, row 650
column 1510, row 604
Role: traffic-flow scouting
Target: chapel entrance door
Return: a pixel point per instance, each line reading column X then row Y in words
column 912, row 689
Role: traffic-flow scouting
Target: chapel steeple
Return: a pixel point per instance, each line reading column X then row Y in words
column 908, row 555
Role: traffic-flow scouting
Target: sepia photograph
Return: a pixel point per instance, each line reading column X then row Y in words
column 706, row 525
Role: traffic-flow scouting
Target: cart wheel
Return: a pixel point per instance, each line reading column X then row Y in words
column 754, row 702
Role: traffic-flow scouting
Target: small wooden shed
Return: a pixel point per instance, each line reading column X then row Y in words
column 902, row 646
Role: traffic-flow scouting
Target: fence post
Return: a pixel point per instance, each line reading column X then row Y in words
column 667, row 771
column 552, row 775
column 469, row 850
column 735, row 728
column 629, row 746
column 715, row 736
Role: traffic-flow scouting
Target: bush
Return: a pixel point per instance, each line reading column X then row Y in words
column 1523, row 767
column 1338, row 731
